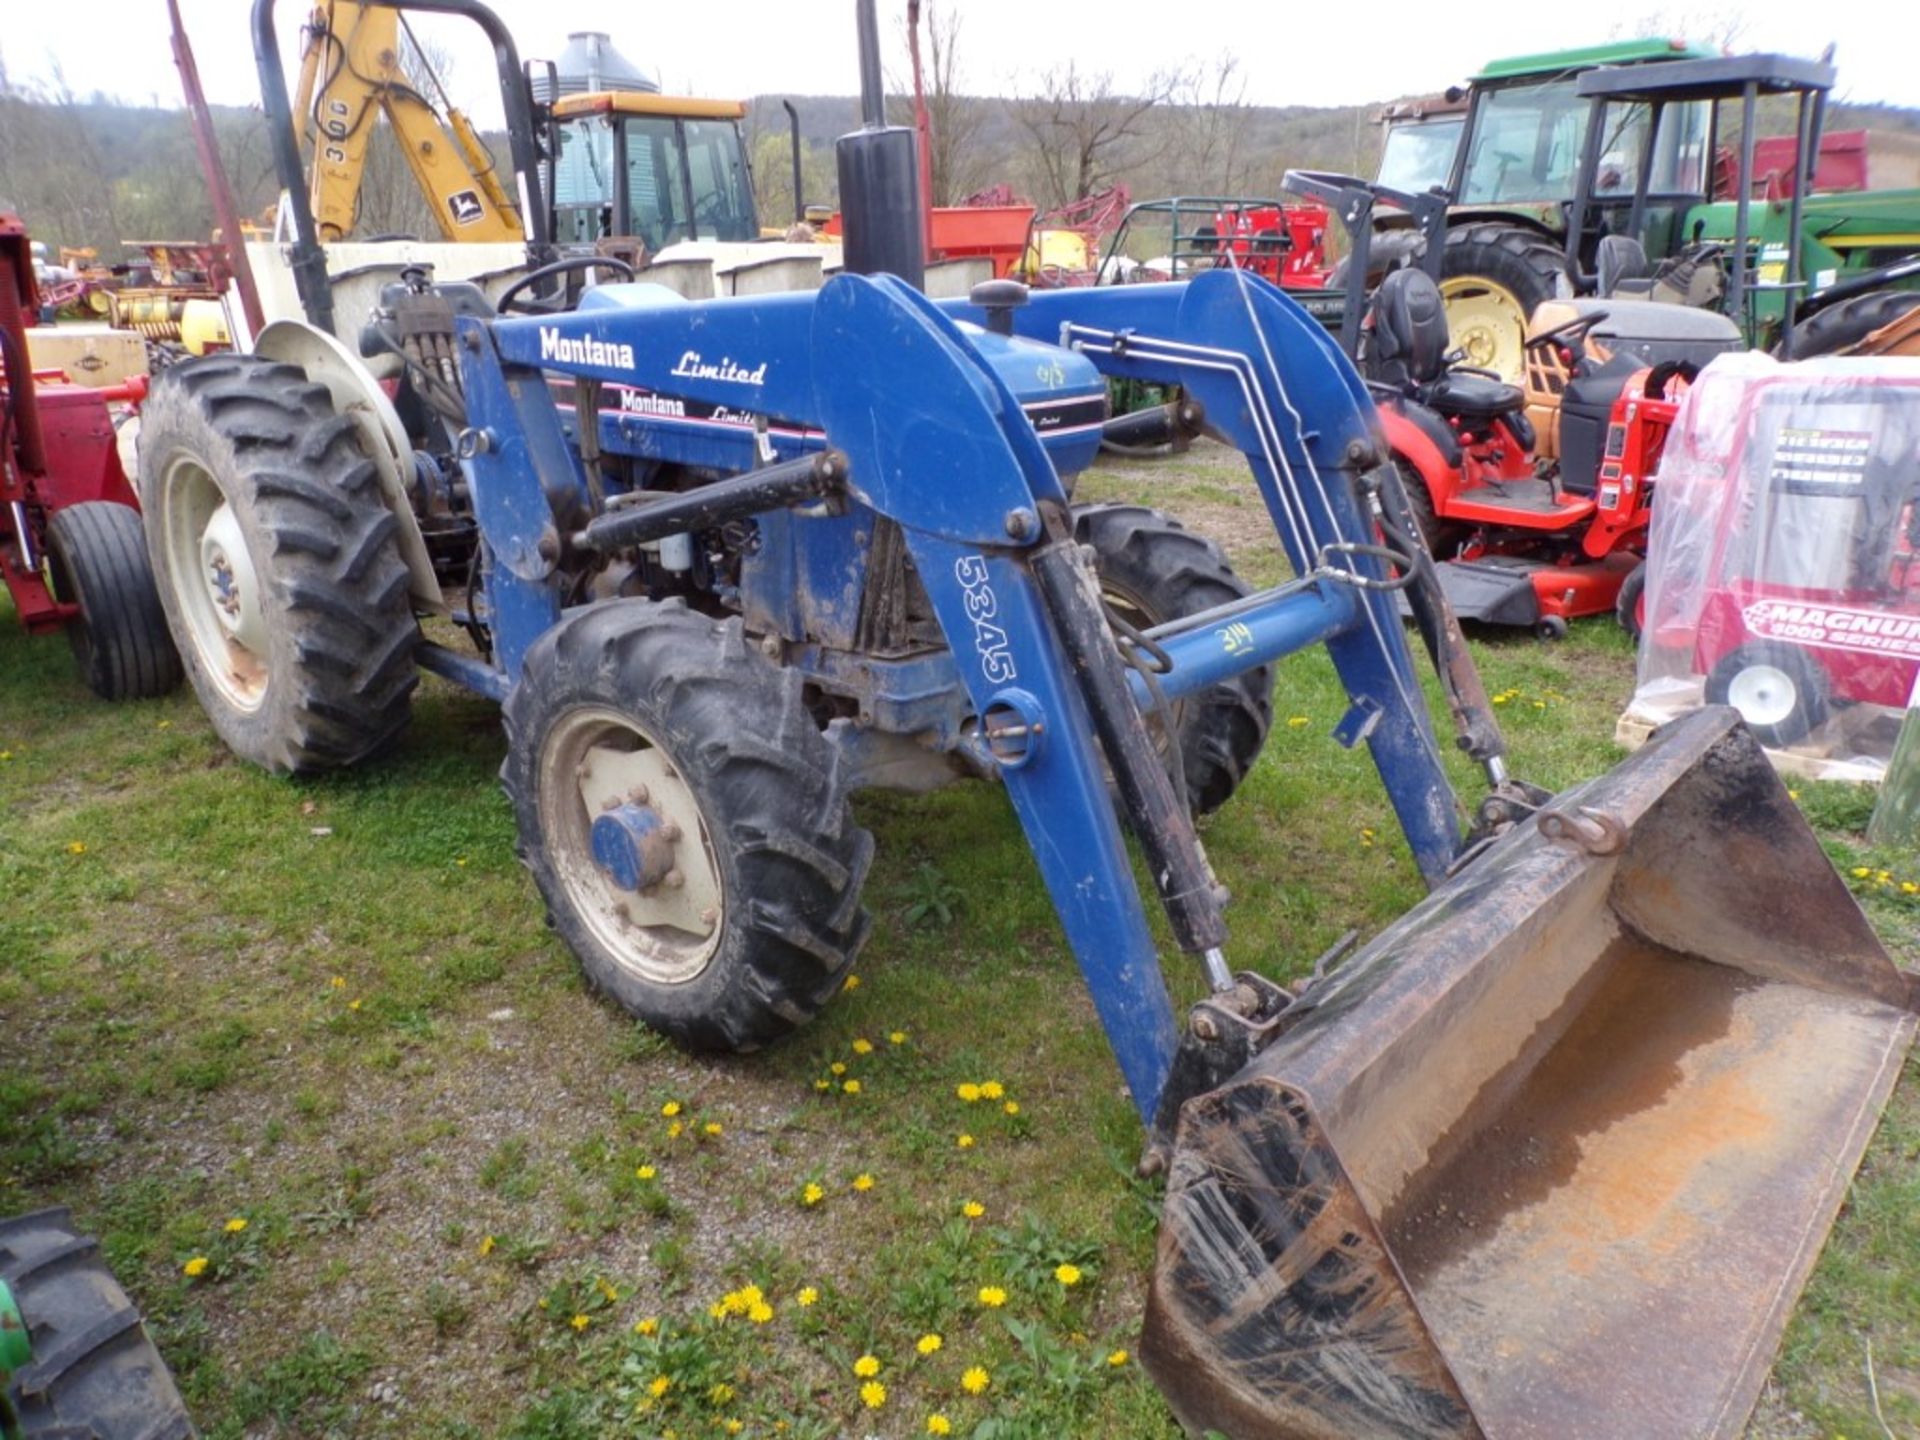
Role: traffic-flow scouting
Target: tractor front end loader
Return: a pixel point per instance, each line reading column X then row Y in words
column 1574, row 1126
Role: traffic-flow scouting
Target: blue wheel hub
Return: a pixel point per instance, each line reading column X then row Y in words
column 633, row 846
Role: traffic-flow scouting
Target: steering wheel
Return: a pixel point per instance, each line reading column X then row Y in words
column 1567, row 331
column 505, row 304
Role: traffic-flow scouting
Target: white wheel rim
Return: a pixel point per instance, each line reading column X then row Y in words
column 212, row 576
column 1763, row 694
column 593, row 760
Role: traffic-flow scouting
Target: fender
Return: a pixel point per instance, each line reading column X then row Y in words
column 1412, row 444
column 358, row 396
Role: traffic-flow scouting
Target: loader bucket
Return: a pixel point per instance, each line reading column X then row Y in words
column 1554, row 1155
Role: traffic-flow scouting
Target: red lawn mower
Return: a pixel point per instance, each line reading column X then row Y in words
column 1529, row 534
column 72, row 552
column 1811, row 594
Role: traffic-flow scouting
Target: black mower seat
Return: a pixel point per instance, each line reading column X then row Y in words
column 1407, row 350
column 1472, row 397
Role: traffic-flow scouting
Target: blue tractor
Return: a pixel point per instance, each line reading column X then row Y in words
column 726, row 562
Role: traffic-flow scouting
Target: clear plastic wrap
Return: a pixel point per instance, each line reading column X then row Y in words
column 1782, row 569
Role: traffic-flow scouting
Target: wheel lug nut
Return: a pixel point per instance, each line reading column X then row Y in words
column 675, row 880
column 670, row 832
column 709, row 915
column 638, row 795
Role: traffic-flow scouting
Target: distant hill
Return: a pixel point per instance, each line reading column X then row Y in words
column 96, row 172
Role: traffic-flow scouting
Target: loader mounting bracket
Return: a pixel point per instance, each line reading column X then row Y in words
column 1223, row 1033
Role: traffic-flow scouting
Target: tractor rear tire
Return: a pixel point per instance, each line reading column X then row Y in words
column 95, row 1374
column 755, row 794
column 1493, row 277
column 1778, row 690
column 1153, row 570
column 98, row 556
column 1443, row 538
column 278, row 564
column 1848, row 322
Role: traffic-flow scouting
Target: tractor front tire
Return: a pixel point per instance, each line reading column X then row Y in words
column 98, row 556
column 1846, row 323
column 95, row 1374
column 1153, row 570
column 278, row 564
column 1779, row 691
column 1493, row 277
column 653, row 715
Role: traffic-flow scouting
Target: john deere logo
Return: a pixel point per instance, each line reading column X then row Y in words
column 466, row 207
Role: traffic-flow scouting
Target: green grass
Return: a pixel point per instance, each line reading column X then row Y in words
column 331, row 1008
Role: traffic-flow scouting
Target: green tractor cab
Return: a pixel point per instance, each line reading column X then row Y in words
column 1558, row 152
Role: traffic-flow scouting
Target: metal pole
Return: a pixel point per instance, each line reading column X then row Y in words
column 793, row 134
column 1741, row 306
column 225, row 211
column 873, row 91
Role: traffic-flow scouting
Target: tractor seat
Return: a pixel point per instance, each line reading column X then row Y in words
column 1408, row 351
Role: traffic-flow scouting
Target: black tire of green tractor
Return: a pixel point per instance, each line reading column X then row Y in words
column 333, row 587
column 1388, row 250
column 1808, row 702
column 1848, row 322
column 1629, row 606
column 1156, row 568
column 1529, row 265
column 738, row 731
column 95, row 1374
column 98, row 556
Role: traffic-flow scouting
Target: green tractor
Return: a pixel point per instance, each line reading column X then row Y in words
column 1559, row 153
column 76, row 1362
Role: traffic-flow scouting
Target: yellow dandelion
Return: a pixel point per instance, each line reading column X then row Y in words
column 353, row 1005
column 897, row 1037
column 823, row 1084
column 760, row 1313
column 992, row 1296
column 1860, row 872
column 1068, row 1275
column 965, row 1142
column 713, row 1127
column 717, row 1311
column 863, row 1047
column 973, row 1209
column 873, row 1394
column 734, row 1427
column 580, row 1322
column 863, row 1181
column 853, row 983
column 1012, row 1107
column 812, row 1195
column 1296, row 721
column 852, row 1087
column 992, row 1090
column 339, row 982
column 927, row 1344
column 645, row 1172
column 670, row 1109
column 867, row 1366
column 1907, row 887
column 1117, row 1359
column 838, row 1067
column 77, row 847
column 975, row 1380
column 659, row 1385
column 807, row 1296
column 674, row 1130
column 487, row 1242
column 606, row 1289
column 968, row 1091
column 195, row 1268
column 646, row 1325
column 1793, row 794
column 938, row 1424
column 236, row 1225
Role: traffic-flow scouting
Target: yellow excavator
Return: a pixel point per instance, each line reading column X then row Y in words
column 352, row 71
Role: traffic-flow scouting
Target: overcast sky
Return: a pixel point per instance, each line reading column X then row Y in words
column 1329, row 53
